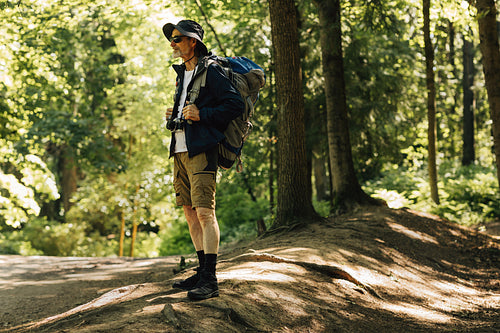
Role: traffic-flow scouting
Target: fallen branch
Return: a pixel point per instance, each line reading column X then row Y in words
column 330, row 271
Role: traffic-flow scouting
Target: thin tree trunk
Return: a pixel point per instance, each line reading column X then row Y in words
column 272, row 143
column 450, row 116
column 431, row 104
column 68, row 177
column 122, row 233
column 134, row 222
column 468, row 155
column 294, row 203
column 489, row 45
column 320, row 178
column 347, row 193
column 271, row 177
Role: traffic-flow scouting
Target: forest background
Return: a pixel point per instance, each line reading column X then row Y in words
column 84, row 168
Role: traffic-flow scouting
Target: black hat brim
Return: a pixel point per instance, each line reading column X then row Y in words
column 169, row 27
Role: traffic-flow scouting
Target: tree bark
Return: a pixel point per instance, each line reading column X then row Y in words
column 431, row 104
column 135, row 224
column 68, row 169
column 450, row 116
column 468, row 155
column 321, row 178
column 346, row 191
column 294, row 201
column 489, row 45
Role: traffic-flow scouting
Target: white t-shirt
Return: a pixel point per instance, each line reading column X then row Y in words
column 180, row 135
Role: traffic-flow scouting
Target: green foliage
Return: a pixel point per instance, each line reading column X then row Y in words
column 22, row 192
column 41, row 236
column 176, row 239
column 469, row 195
column 91, row 80
column 237, row 213
column 323, row 208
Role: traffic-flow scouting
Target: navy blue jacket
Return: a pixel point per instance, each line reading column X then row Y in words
column 219, row 102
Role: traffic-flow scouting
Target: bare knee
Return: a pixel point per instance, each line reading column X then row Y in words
column 191, row 216
column 206, row 216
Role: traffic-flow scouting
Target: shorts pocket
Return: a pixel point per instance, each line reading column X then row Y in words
column 203, row 189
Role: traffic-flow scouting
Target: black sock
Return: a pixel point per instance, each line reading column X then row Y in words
column 210, row 262
column 201, row 259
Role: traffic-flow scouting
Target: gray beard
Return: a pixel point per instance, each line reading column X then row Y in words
column 176, row 54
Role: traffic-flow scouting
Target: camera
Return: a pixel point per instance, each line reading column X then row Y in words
column 175, row 124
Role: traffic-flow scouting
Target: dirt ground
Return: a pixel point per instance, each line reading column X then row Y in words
column 377, row 270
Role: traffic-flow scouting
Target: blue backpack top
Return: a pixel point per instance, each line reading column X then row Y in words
column 248, row 78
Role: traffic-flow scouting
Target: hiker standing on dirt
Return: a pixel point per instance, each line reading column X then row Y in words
column 197, row 128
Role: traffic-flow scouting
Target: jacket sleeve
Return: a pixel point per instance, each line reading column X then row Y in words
column 225, row 103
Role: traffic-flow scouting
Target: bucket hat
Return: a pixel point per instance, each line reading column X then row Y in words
column 187, row 28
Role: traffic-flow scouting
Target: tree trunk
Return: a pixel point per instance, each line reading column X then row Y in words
column 450, row 116
column 431, row 103
column 320, row 177
column 122, row 234
column 135, row 224
column 68, row 171
column 294, row 202
column 346, row 191
column 468, row 155
column 271, row 177
column 272, row 143
column 488, row 36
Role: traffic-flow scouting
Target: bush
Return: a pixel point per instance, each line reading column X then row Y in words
column 468, row 194
column 44, row 237
column 175, row 239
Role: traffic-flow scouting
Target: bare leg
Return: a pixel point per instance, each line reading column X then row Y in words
column 210, row 227
column 195, row 228
column 207, row 286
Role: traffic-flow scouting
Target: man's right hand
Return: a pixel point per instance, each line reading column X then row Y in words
column 168, row 113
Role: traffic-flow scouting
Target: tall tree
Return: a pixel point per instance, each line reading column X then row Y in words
column 488, row 36
column 468, row 154
column 347, row 192
column 294, row 190
column 431, row 103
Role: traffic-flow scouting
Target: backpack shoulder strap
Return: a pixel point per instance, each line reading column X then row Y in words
column 199, row 82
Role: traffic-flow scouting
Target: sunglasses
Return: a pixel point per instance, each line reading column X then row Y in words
column 177, row 39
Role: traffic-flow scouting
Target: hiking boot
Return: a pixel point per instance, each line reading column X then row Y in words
column 188, row 283
column 207, row 287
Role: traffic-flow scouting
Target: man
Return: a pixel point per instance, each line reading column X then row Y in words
column 196, row 131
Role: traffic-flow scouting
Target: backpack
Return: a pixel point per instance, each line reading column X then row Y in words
column 248, row 78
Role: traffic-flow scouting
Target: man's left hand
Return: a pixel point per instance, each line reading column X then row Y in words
column 191, row 112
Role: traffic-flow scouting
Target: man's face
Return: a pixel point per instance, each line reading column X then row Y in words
column 183, row 47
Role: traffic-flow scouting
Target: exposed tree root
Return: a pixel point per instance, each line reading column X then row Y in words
column 330, row 271
column 108, row 298
column 170, row 317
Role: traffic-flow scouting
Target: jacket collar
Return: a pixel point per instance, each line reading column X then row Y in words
column 202, row 65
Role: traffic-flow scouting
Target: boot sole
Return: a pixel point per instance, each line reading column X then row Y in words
column 196, row 297
column 183, row 288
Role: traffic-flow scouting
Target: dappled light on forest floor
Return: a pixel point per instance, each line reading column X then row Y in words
column 412, row 234
column 417, row 312
column 380, row 270
column 258, row 272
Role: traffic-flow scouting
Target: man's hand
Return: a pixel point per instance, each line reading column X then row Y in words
column 191, row 112
column 168, row 113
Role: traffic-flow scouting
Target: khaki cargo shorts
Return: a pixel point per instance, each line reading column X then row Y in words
column 195, row 179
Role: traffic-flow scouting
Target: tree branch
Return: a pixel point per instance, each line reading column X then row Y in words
column 211, row 27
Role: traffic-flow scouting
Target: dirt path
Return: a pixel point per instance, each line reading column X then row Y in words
column 34, row 288
column 378, row 270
